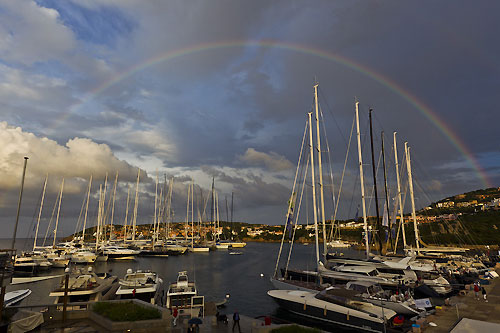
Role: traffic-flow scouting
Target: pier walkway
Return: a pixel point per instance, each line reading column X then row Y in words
column 247, row 324
column 467, row 306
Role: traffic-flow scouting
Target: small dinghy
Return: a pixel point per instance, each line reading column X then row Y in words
column 16, row 296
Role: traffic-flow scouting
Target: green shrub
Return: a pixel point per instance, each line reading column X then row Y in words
column 125, row 311
column 295, row 329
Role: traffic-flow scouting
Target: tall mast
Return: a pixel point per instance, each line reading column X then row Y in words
column 313, row 181
column 379, row 227
column 40, row 212
column 410, row 184
column 156, row 205
column 187, row 212
column 400, row 202
column 113, row 206
column 169, row 206
column 99, row 219
column 218, row 221
column 103, row 214
column 385, row 186
column 192, row 212
column 126, row 216
column 212, row 208
column 58, row 210
column 318, row 140
column 232, row 197
column 136, row 203
column 86, row 210
column 365, row 224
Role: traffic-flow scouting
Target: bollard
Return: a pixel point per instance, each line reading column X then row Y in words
column 65, row 301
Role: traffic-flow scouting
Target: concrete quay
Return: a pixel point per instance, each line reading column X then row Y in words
column 465, row 305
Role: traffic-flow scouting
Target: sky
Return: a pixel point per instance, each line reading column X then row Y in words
column 200, row 90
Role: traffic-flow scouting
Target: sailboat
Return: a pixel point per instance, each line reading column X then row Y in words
column 329, row 295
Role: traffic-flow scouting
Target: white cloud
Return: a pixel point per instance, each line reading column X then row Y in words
column 79, row 158
column 31, row 33
column 271, row 161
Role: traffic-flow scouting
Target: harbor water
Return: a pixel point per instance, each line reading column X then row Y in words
column 244, row 277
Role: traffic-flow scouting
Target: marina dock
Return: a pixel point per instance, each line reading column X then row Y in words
column 465, row 305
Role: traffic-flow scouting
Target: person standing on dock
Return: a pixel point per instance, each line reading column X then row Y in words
column 175, row 313
column 476, row 291
column 483, row 291
column 236, row 320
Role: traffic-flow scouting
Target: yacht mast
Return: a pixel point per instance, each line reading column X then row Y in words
column 103, row 214
column 99, row 218
column 187, row 214
column 40, row 212
column 86, row 211
column 192, row 212
column 313, row 182
column 378, row 224
column 136, row 203
column 58, row 210
column 113, row 206
column 322, row 200
column 410, row 184
column 156, row 205
column 126, row 216
column 386, row 192
column 400, row 202
column 365, row 227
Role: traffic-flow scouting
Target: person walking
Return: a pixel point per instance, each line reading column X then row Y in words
column 483, row 291
column 476, row 291
column 175, row 314
column 236, row 320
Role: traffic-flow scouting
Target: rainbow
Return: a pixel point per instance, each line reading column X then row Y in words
column 307, row 50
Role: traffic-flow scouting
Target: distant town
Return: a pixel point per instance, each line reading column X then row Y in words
column 477, row 213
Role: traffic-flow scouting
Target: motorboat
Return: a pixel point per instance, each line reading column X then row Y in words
column 235, row 244
column 415, row 271
column 86, row 287
column 400, row 302
column 143, row 285
column 338, row 243
column 334, row 306
column 30, row 265
column 181, row 292
column 120, row 253
column 83, row 257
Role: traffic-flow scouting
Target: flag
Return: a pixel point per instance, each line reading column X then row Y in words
column 385, row 218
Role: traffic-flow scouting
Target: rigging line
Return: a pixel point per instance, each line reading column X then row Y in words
column 329, row 109
column 342, row 178
column 291, row 197
column 51, row 219
column 77, row 226
column 297, row 215
column 330, row 164
column 373, row 186
column 32, row 224
column 420, row 169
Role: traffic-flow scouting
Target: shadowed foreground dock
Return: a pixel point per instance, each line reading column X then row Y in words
column 467, row 306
